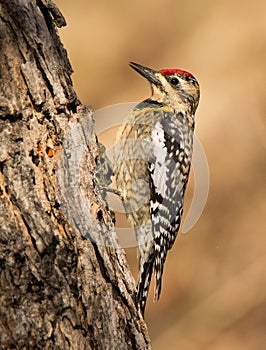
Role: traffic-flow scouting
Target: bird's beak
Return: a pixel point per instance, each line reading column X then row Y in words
column 148, row 73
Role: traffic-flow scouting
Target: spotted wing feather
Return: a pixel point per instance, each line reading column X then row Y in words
column 169, row 175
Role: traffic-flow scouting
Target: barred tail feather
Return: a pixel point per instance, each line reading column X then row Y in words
column 143, row 284
column 159, row 261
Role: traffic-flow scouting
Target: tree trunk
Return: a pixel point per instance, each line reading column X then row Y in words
column 58, row 289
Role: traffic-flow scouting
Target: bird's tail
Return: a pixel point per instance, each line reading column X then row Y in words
column 145, row 273
column 144, row 280
column 159, row 261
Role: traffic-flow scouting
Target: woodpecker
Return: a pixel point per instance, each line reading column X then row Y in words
column 152, row 158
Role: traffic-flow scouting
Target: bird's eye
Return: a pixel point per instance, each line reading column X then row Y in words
column 174, row 81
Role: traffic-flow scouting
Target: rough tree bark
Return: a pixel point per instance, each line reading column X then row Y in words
column 58, row 289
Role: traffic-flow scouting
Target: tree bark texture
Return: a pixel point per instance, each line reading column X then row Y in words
column 58, row 289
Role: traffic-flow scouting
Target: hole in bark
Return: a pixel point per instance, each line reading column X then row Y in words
column 100, row 215
column 19, row 259
column 35, row 157
column 56, row 205
column 47, row 114
column 50, row 152
column 35, row 286
column 38, row 107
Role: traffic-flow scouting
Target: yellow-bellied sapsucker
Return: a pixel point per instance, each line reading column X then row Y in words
column 152, row 160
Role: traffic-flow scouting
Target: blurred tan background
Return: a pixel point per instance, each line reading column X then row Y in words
column 214, row 286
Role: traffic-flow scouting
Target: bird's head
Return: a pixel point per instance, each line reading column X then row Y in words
column 174, row 87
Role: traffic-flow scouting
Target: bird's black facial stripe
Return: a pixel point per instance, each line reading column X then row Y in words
column 171, row 79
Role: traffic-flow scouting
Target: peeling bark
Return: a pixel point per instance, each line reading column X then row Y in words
column 58, row 289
